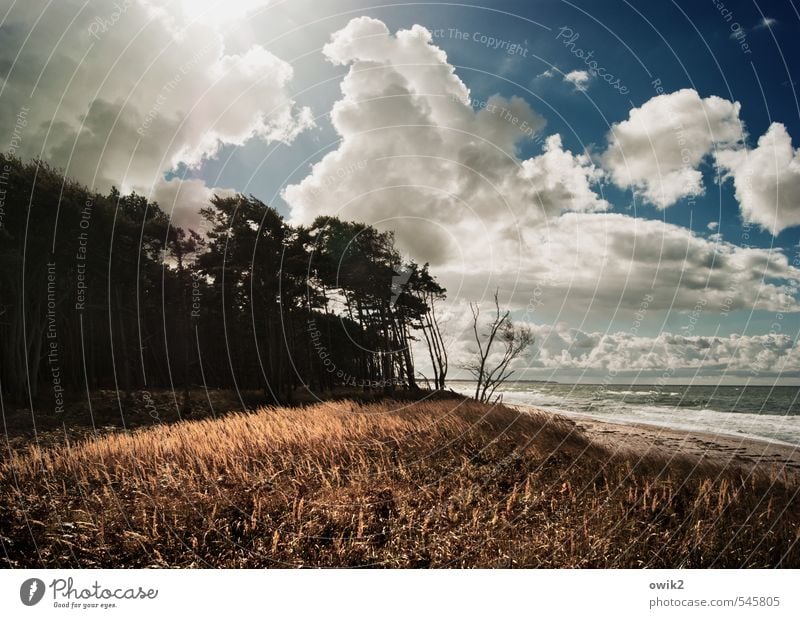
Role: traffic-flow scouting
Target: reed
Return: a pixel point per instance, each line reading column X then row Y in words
column 445, row 483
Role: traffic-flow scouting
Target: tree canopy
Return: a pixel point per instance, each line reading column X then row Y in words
column 103, row 291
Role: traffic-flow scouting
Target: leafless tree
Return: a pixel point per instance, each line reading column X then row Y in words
column 514, row 341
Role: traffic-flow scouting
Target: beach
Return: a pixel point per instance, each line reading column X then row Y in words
column 640, row 439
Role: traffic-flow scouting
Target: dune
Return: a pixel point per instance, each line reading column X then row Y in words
column 440, row 483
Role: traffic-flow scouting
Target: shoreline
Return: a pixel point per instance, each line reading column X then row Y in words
column 748, row 452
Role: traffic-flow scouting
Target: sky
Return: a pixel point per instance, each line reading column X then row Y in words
column 624, row 173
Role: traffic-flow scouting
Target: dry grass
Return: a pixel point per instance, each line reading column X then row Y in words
column 436, row 484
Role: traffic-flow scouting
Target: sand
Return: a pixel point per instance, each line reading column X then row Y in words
column 730, row 451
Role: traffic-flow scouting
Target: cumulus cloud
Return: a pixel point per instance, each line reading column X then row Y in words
column 120, row 94
column 766, row 180
column 601, row 268
column 613, row 261
column 418, row 156
column 562, row 349
column 657, row 151
column 579, row 79
column 624, row 353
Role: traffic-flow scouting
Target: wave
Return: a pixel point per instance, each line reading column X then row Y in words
column 781, row 428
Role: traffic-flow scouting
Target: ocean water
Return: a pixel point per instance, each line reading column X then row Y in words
column 765, row 412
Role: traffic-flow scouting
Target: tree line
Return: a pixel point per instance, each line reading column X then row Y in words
column 103, row 291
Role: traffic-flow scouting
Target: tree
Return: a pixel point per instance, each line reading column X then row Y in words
column 243, row 263
column 101, row 290
column 183, row 247
column 360, row 271
column 514, row 340
column 426, row 290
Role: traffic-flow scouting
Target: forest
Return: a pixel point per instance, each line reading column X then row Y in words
column 103, row 291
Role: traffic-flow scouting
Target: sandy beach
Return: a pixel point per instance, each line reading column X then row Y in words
column 721, row 449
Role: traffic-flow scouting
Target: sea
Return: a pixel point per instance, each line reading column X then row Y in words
column 764, row 412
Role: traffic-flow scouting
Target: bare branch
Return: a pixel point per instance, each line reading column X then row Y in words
column 515, row 340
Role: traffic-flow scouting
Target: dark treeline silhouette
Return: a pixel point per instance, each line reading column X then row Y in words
column 101, row 291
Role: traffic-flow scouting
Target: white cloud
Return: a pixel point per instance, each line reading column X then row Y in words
column 766, row 22
column 417, row 156
column 579, row 79
column 593, row 262
column 559, row 181
column 766, row 180
column 600, row 268
column 561, row 347
column 657, row 151
column 713, row 226
column 183, row 199
column 126, row 95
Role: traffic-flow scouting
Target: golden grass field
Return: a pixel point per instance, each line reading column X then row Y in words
column 445, row 483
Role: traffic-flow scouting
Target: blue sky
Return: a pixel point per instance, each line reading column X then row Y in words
column 183, row 99
column 679, row 44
